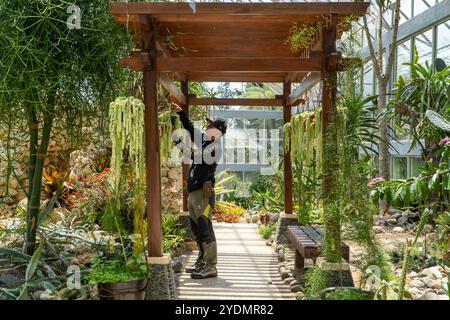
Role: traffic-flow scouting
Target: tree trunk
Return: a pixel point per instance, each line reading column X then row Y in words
column 383, row 149
column 35, row 187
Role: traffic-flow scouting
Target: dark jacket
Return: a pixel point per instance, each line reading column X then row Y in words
column 200, row 172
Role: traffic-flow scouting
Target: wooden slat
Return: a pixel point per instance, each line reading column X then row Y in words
column 235, row 102
column 306, row 85
column 317, row 8
column 238, row 76
column 186, row 64
column 174, row 91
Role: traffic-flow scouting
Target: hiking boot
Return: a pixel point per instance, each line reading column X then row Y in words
column 210, row 262
column 198, row 265
column 206, row 272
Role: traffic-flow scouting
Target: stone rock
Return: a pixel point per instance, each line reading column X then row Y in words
column 294, row 282
column 410, row 226
column 177, row 265
column 398, row 230
column 415, row 292
column 269, row 242
column 274, row 218
column 402, row 221
column 433, row 272
column 289, row 280
column 280, row 257
column 382, row 223
column 430, row 295
column 300, row 296
column 416, row 283
column 377, row 230
column 392, row 221
column 412, row 274
column 393, row 211
column 396, row 215
column 296, row 288
column 284, row 273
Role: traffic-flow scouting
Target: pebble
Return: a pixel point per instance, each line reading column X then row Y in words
column 377, row 229
column 284, row 274
column 288, row 280
column 396, row 215
column 296, row 288
column 417, row 283
column 398, row 230
column 300, row 296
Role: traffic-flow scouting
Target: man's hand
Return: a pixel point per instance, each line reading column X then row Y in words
column 176, row 108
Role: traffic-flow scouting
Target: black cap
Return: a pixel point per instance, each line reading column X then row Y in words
column 219, row 123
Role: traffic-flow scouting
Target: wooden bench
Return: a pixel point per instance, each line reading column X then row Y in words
column 307, row 241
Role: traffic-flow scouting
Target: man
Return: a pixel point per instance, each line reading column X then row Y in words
column 201, row 190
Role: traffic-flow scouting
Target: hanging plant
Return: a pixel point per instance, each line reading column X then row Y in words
column 302, row 36
column 126, row 116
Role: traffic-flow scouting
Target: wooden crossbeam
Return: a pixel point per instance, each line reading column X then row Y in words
column 278, row 102
column 186, row 64
column 310, row 81
column 341, row 8
column 177, row 95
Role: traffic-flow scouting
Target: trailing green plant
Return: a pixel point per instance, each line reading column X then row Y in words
column 126, row 116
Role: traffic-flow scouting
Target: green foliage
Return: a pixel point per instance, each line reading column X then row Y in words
column 346, row 294
column 425, row 90
column 267, row 231
column 303, row 35
column 115, row 270
column 315, row 282
column 174, row 233
column 31, row 269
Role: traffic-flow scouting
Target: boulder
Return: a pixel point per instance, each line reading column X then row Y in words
column 430, row 295
column 296, row 288
column 274, row 218
column 300, row 296
column 396, row 215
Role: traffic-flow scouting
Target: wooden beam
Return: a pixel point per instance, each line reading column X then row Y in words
column 311, row 80
column 235, row 102
column 245, row 9
column 187, row 64
column 166, row 53
column 287, row 154
column 219, row 76
column 152, row 149
column 174, row 91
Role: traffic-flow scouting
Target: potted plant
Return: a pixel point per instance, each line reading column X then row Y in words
column 119, row 277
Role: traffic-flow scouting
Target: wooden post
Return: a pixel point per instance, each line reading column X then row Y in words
column 152, row 153
column 287, row 154
column 185, row 167
column 332, row 248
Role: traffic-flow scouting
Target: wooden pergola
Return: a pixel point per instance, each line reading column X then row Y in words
column 231, row 42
